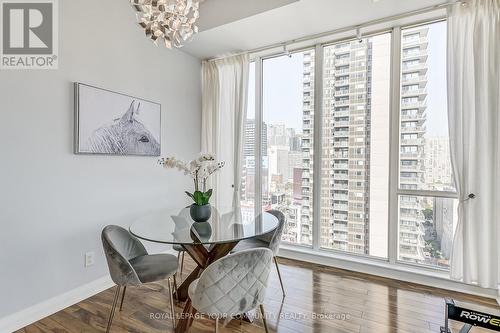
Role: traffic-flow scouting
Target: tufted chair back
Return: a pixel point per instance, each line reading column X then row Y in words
column 234, row 284
column 274, row 237
column 120, row 247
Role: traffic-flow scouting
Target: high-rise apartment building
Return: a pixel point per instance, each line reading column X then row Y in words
column 346, row 146
column 412, row 142
column 305, row 227
column 437, row 157
column 249, row 139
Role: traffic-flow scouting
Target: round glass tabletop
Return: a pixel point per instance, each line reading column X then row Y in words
column 177, row 227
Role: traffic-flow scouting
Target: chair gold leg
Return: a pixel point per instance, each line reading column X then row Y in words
column 279, row 275
column 263, row 317
column 216, row 325
column 182, row 262
column 113, row 308
column 178, row 260
column 123, row 297
column 175, row 289
column 171, row 302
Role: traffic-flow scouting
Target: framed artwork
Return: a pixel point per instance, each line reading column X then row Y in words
column 111, row 123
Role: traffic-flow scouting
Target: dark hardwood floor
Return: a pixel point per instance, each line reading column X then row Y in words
column 342, row 301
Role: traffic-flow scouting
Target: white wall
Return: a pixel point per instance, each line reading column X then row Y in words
column 53, row 204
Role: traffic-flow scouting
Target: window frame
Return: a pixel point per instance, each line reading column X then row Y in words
column 394, row 147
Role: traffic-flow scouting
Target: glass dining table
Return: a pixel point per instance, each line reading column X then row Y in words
column 205, row 242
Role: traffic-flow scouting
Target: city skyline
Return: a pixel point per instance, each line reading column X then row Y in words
column 355, row 140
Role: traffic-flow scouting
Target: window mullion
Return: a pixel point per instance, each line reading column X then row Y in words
column 428, row 193
column 318, row 107
column 394, row 144
column 258, row 137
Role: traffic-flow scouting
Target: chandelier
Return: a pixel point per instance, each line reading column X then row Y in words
column 168, row 22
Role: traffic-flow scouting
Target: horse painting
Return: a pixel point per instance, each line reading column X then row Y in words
column 124, row 136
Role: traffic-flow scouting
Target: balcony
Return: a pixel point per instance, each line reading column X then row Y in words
column 341, row 144
column 414, row 41
column 411, row 180
column 417, row 116
column 339, row 83
column 339, row 186
column 339, row 227
column 416, row 254
column 343, row 113
column 418, row 241
column 414, row 54
column 417, row 230
column 340, row 166
column 341, row 123
column 341, row 155
column 413, row 92
column 341, row 72
column 413, row 104
column 340, row 217
column 307, row 126
column 415, row 167
column 413, row 129
column 343, row 207
column 306, row 144
column 412, row 142
column 341, row 176
column 341, row 133
column 341, row 92
column 339, row 196
column 409, row 155
column 342, row 102
column 420, row 66
column 342, row 61
column 420, row 79
column 415, row 217
column 339, row 49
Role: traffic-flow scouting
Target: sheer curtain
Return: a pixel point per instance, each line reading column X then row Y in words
column 224, row 102
column 474, row 122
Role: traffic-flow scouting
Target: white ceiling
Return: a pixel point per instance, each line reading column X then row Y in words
column 236, row 28
column 219, row 12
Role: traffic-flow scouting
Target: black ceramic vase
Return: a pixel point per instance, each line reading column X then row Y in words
column 201, row 231
column 200, row 213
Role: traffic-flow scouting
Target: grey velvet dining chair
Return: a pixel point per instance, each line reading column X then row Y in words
column 184, row 216
column 271, row 240
column 233, row 285
column 130, row 265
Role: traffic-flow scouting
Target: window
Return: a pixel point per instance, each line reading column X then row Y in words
column 348, row 185
column 288, row 116
column 426, row 223
column 355, row 136
column 248, row 164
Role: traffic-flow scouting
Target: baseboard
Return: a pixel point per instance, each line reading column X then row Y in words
column 402, row 273
column 41, row 310
column 46, row 308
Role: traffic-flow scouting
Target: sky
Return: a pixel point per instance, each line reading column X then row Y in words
column 282, row 87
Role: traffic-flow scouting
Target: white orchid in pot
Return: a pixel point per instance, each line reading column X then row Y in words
column 200, row 169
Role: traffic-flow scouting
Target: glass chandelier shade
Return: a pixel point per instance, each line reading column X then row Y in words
column 168, row 22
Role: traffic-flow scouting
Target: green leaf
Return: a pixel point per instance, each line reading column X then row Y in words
column 198, row 198
column 190, row 195
column 206, row 196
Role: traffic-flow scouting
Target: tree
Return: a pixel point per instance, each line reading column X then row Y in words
column 428, row 213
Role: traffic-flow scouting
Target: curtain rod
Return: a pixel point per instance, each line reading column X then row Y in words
column 356, row 28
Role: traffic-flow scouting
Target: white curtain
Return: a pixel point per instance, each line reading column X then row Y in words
column 224, row 102
column 474, row 123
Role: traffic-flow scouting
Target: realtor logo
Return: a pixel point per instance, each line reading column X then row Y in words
column 29, row 34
